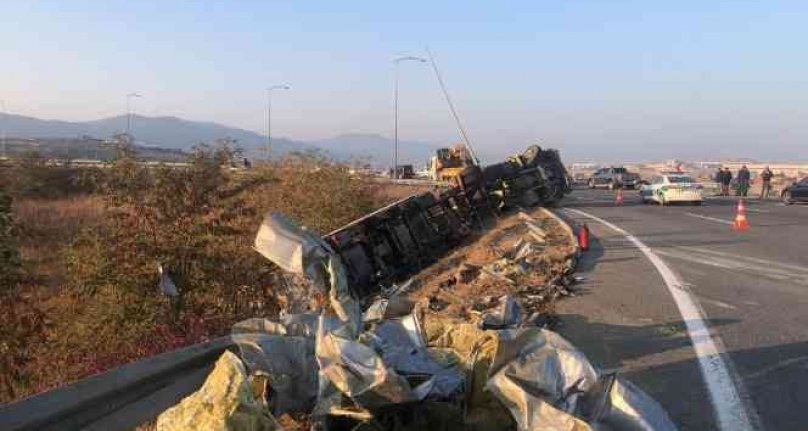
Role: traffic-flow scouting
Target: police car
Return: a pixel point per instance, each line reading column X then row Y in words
column 668, row 187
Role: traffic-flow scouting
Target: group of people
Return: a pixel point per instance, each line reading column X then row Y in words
column 743, row 181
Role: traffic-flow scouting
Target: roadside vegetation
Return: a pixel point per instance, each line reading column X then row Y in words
column 80, row 250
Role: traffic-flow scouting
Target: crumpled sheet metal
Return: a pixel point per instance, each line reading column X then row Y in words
column 290, row 367
column 403, row 349
column 631, row 409
column 358, row 372
column 225, row 402
column 529, row 379
column 506, row 314
column 534, row 367
column 300, row 252
column 301, row 325
column 540, row 380
column 280, row 240
column 542, row 362
column 548, row 384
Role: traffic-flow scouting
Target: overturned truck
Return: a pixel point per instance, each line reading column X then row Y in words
column 394, row 242
column 535, row 177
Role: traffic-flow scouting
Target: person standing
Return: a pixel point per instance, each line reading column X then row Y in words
column 719, row 178
column 743, row 181
column 726, row 179
column 766, row 183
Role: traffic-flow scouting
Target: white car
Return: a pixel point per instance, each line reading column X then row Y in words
column 668, row 187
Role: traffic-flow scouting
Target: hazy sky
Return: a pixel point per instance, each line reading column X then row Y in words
column 638, row 80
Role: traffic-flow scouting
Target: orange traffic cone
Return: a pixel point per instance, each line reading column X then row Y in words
column 740, row 222
column 618, row 200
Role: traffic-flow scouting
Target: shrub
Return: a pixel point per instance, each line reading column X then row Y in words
column 9, row 245
column 199, row 222
column 21, row 321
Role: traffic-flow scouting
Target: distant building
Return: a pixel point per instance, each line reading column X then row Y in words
column 583, row 166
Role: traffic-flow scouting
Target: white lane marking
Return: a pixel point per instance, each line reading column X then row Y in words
column 775, row 367
column 737, row 264
column 730, row 411
column 704, row 217
column 755, row 210
column 766, row 262
column 719, row 303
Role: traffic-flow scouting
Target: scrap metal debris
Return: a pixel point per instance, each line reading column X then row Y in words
column 403, row 367
column 526, row 257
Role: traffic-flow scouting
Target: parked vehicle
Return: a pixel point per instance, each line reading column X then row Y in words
column 797, row 192
column 669, row 187
column 614, row 177
column 403, row 172
column 579, row 178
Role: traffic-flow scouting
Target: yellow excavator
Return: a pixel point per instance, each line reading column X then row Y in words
column 448, row 163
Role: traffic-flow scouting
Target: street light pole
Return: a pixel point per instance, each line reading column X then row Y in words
column 129, row 112
column 269, row 116
column 396, row 61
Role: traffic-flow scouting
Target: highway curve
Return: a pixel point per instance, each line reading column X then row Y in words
column 749, row 290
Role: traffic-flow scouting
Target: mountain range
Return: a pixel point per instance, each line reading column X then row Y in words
column 180, row 134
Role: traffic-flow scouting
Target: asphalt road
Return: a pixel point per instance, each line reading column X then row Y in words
column 750, row 289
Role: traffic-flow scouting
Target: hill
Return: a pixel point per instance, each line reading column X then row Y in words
column 163, row 132
column 175, row 133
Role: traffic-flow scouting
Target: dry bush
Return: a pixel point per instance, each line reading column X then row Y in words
column 105, row 307
column 21, row 321
column 32, row 176
column 318, row 193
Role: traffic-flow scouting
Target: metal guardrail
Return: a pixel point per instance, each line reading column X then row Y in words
column 121, row 398
column 411, row 182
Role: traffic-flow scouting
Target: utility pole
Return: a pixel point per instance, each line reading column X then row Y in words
column 451, row 106
column 269, row 117
column 396, row 61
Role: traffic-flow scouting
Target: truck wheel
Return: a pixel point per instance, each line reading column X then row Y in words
column 591, row 184
column 786, row 198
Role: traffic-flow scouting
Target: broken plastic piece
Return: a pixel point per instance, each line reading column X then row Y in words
column 506, row 314
column 167, row 285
